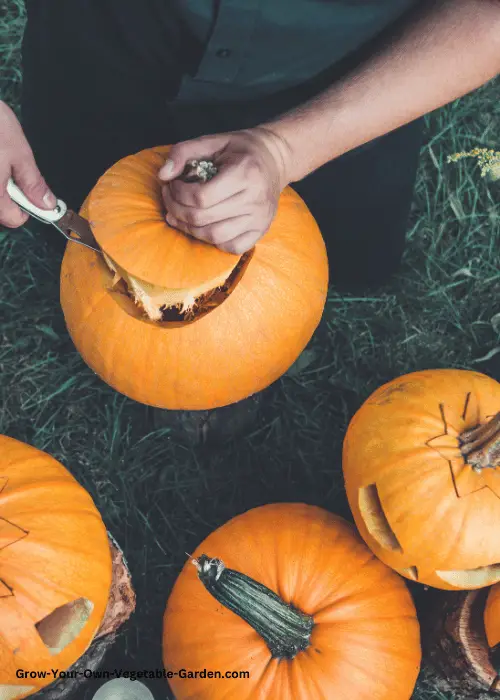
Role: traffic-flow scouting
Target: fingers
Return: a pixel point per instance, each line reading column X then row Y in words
column 17, row 161
column 232, row 235
column 198, row 217
column 235, row 208
column 237, row 173
column 29, row 179
column 242, row 244
column 200, row 148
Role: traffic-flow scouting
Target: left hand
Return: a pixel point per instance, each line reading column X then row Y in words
column 235, row 208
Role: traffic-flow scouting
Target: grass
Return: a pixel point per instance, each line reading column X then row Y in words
column 159, row 497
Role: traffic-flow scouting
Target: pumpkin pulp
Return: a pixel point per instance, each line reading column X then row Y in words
column 285, row 629
column 480, row 446
column 163, row 305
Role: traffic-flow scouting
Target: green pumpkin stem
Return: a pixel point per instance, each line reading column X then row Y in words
column 481, row 446
column 285, row 629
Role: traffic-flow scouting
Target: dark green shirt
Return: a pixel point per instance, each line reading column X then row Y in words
column 257, row 47
column 202, row 51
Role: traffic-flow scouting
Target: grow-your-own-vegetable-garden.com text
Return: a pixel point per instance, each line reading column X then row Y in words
column 55, row 674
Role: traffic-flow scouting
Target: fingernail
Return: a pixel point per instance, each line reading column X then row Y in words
column 167, row 169
column 49, row 200
column 171, row 221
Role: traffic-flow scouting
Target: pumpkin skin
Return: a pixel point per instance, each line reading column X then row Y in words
column 365, row 643
column 417, row 502
column 492, row 616
column 238, row 348
column 53, row 550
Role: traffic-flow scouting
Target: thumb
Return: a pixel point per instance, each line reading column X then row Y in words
column 27, row 176
column 194, row 149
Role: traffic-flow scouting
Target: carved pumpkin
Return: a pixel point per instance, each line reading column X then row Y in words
column 421, row 465
column 290, row 594
column 174, row 322
column 55, row 569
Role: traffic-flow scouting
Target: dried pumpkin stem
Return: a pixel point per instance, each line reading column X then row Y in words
column 285, row 629
column 481, row 446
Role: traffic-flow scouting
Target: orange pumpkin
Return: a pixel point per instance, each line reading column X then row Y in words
column 55, row 569
column 292, row 596
column 176, row 323
column 421, row 465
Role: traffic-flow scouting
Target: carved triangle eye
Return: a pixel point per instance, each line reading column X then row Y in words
column 10, row 533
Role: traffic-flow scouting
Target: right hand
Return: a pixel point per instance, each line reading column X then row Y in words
column 17, row 161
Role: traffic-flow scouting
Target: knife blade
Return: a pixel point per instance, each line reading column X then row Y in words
column 72, row 226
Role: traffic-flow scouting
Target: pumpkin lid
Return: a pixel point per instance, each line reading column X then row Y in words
column 127, row 215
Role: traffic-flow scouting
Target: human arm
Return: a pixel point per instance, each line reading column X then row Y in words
column 445, row 50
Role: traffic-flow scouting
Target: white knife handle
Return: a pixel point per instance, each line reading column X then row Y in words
column 49, row 216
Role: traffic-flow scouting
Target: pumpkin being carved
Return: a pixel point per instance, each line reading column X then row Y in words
column 421, row 463
column 175, row 323
column 56, row 571
column 291, row 595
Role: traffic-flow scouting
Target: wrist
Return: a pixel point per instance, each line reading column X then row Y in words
column 280, row 149
column 311, row 135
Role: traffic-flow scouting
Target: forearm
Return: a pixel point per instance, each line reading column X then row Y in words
column 450, row 49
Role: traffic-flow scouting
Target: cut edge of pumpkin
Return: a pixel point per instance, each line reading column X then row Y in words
column 162, row 305
column 63, row 625
column 15, row 692
column 471, row 578
column 410, row 572
column 375, row 520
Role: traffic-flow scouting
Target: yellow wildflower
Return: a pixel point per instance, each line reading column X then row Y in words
column 488, row 159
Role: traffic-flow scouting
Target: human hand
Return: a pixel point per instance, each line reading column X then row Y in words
column 234, row 209
column 17, row 161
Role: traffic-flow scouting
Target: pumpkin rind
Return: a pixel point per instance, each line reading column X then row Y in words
column 128, row 221
column 237, row 349
column 365, row 640
column 418, row 504
column 492, row 616
column 53, row 550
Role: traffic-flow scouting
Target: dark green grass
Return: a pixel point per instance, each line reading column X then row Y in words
column 160, row 498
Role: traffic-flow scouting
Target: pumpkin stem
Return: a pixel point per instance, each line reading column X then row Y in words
column 285, row 629
column 481, row 445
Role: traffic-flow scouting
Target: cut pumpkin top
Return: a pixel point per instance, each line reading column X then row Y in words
column 127, row 215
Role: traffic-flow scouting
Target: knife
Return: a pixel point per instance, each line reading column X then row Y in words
column 75, row 227
column 72, row 226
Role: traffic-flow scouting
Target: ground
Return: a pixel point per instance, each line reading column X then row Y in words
column 160, row 498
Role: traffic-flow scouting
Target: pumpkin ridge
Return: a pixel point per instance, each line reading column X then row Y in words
column 279, row 272
column 76, row 330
